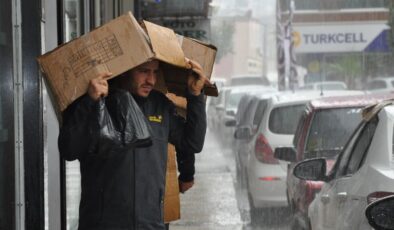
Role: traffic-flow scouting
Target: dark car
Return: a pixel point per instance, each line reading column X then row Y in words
column 322, row 131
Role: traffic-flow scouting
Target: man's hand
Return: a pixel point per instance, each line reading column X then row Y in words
column 98, row 87
column 196, row 81
column 184, row 186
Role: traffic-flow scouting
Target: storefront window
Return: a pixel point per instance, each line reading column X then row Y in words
column 7, row 181
column 73, row 28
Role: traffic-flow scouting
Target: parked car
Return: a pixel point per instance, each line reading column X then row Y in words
column 231, row 105
column 380, row 84
column 211, row 104
column 325, row 85
column 322, row 131
column 249, row 114
column 380, row 213
column 266, row 178
column 363, row 173
column 216, row 111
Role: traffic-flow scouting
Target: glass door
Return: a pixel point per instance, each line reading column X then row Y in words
column 7, row 166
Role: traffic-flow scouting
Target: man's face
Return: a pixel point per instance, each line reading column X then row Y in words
column 143, row 78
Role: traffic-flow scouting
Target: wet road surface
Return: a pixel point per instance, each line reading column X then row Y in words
column 216, row 202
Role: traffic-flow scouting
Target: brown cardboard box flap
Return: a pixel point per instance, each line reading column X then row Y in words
column 199, row 51
column 165, row 45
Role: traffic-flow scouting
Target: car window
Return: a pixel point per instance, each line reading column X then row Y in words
column 233, row 100
column 248, row 112
column 329, row 131
column 283, row 120
column 392, row 83
column 376, row 85
column 243, row 103
column 353, row 156
column 298, row 132
column 258, row 116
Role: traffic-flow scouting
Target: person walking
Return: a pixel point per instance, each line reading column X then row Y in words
column 125, row 191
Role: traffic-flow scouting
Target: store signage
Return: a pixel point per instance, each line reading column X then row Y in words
column 195, row 28
column 349, row 37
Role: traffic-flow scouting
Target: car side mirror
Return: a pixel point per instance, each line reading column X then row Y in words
column 285, row 154
column 313, row 169
column 380, row 214
column 230, row 123
column 243, row 133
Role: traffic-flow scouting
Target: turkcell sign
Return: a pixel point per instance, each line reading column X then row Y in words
column 349, row 37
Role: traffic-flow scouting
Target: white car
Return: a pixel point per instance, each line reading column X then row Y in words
column 266, row 176
column 363, row 173
column 380, row 84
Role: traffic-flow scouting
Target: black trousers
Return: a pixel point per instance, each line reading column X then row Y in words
column 167, row 226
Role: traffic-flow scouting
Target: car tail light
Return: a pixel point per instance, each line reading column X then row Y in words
column 263, row 151
column 378, row 195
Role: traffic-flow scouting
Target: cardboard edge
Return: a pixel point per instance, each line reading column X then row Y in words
column 149, row 26
column 202, row 43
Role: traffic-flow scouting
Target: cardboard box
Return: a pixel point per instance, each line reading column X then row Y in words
column 201, row 52
column 172, row 206
column 117, row 46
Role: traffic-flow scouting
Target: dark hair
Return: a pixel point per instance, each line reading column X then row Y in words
column 121, row 82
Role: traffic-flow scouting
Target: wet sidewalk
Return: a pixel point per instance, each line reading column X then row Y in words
column 211, row 204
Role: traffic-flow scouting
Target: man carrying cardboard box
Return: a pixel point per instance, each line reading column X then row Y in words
column 126, row 191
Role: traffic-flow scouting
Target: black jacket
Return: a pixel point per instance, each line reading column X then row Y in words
column 126, row 191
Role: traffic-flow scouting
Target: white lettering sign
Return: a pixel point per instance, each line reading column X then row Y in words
column 195, row 28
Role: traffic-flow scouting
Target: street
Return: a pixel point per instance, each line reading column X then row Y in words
column 216, row 202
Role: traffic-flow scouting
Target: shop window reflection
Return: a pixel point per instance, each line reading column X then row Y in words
column 73, row 25
column 7, row 153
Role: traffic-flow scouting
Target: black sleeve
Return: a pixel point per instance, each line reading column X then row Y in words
column 186, row 168
column 75, row 133
column 188, row 136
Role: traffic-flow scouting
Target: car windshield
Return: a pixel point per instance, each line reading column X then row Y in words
column 233, row 99
column 283, row 120
column 330, row 129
